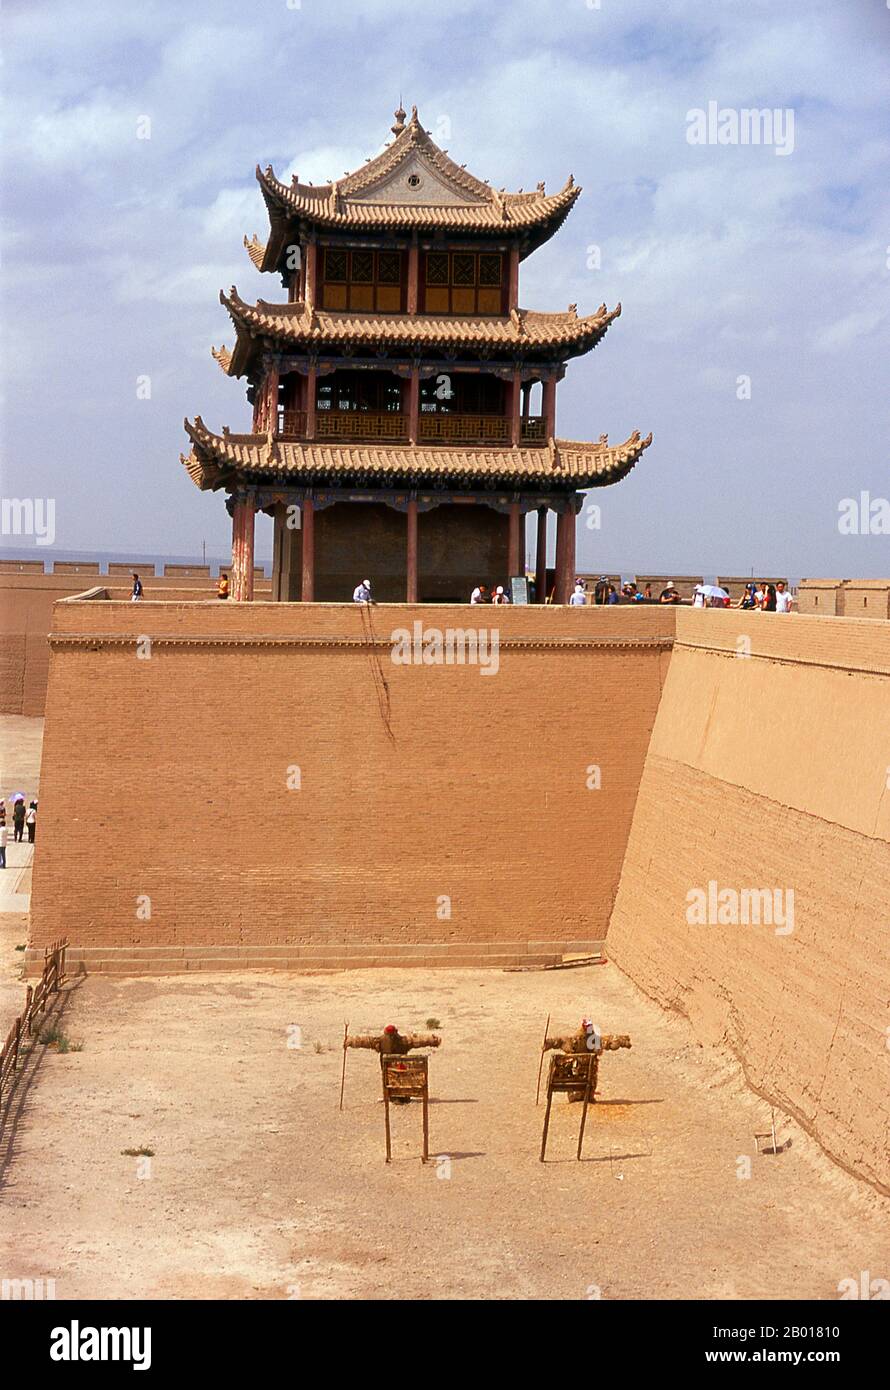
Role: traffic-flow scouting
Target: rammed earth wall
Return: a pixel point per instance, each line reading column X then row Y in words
column 769, row 768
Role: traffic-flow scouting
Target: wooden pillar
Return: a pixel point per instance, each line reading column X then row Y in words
column 311, row 267
column 526, row 399
column 515, row 558
column 307, row 592
column 311, row 388
column 541, row 557
column 549, row 407
column 565, row 556
column 516, row 410
column 412, row 550
column 514, row 280
column 272, row 379
column 242, row 549
column 414, row 405
column 413, row 295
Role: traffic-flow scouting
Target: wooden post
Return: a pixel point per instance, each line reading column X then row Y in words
column 514, row 280
column 584, row 1111
column 343, row 1074
column 548, row 407
column 565, row 555
column 414, row 405
column 271, row 422
column 412, row 298
column 426, row 1120
column 386, row 1120
column 516, row 410
column 547, row 1114
column 307, row 592
column 514, row 557
column 541, row 1063
column 311, row 268
column 412, row 550
column 242, row 548
column 311, row 389
column 541, row 558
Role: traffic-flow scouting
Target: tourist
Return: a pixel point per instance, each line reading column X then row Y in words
column 698, row 596
column 612, row 596
column 18, row 819
column 669, row 593
column 647, row 593
column 749, row 597
column 222, row 588
column 601, row 590
column 784, row 599
column 4, row 838
column 499, row 596
column 137, row 588
column 579, row 597
column 480, row 594
column 2, row 812
column 31, row 822
column 362, row 592
column 769, row 602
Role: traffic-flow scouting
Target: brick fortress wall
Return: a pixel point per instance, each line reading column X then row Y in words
column 771, row 770
column 165, row 779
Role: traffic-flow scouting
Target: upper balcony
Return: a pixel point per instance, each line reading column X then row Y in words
column 378, row 406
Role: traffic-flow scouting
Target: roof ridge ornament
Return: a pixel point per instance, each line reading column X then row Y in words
column 400, row 120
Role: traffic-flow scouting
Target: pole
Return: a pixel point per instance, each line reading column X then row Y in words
column 541, row 1063
column 343, row 1074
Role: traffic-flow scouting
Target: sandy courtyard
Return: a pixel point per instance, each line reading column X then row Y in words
column 258, row 1188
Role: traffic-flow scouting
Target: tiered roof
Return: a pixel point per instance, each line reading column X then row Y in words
column 412, row 185
column 219, row 460
column 297, row 326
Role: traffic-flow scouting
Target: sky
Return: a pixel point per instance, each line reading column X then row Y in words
column 754, row 278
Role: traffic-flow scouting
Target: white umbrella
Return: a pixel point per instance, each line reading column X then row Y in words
column 711, row 591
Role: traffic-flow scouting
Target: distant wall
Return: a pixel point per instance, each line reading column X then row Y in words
column 845, row 598
column 770, row 770
column 27, row 596
column 419, row 783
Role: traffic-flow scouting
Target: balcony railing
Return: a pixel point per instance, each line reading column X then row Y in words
column 389, row 425
column 464, row 428
column 360, row 424
column 534, row 430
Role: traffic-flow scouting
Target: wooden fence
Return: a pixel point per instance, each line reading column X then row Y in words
column 36, row 1000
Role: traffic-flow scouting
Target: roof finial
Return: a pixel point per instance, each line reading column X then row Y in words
column 400, row 120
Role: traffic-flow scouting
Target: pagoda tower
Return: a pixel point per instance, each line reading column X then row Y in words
column 404, row 405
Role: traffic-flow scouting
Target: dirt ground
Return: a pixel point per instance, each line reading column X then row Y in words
column 259, row 1188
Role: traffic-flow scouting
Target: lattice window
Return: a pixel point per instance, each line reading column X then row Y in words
column 437, row 269
column 362, row 271
column 490, row 269
column 335, row 265
column 389, row 267
column 463, row 270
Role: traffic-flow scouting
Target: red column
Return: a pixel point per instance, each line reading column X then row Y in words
column 549, row 407
column 565, row 556
column 307, row 592
column 414, row 405
column 413, row 277
column 242, row 549
column 311, row 264
column 514, row 552
column 412, row 550
column 272, row 400
column 311, row 384
column 516, row 410
column 541, row 557
column 514, row 280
